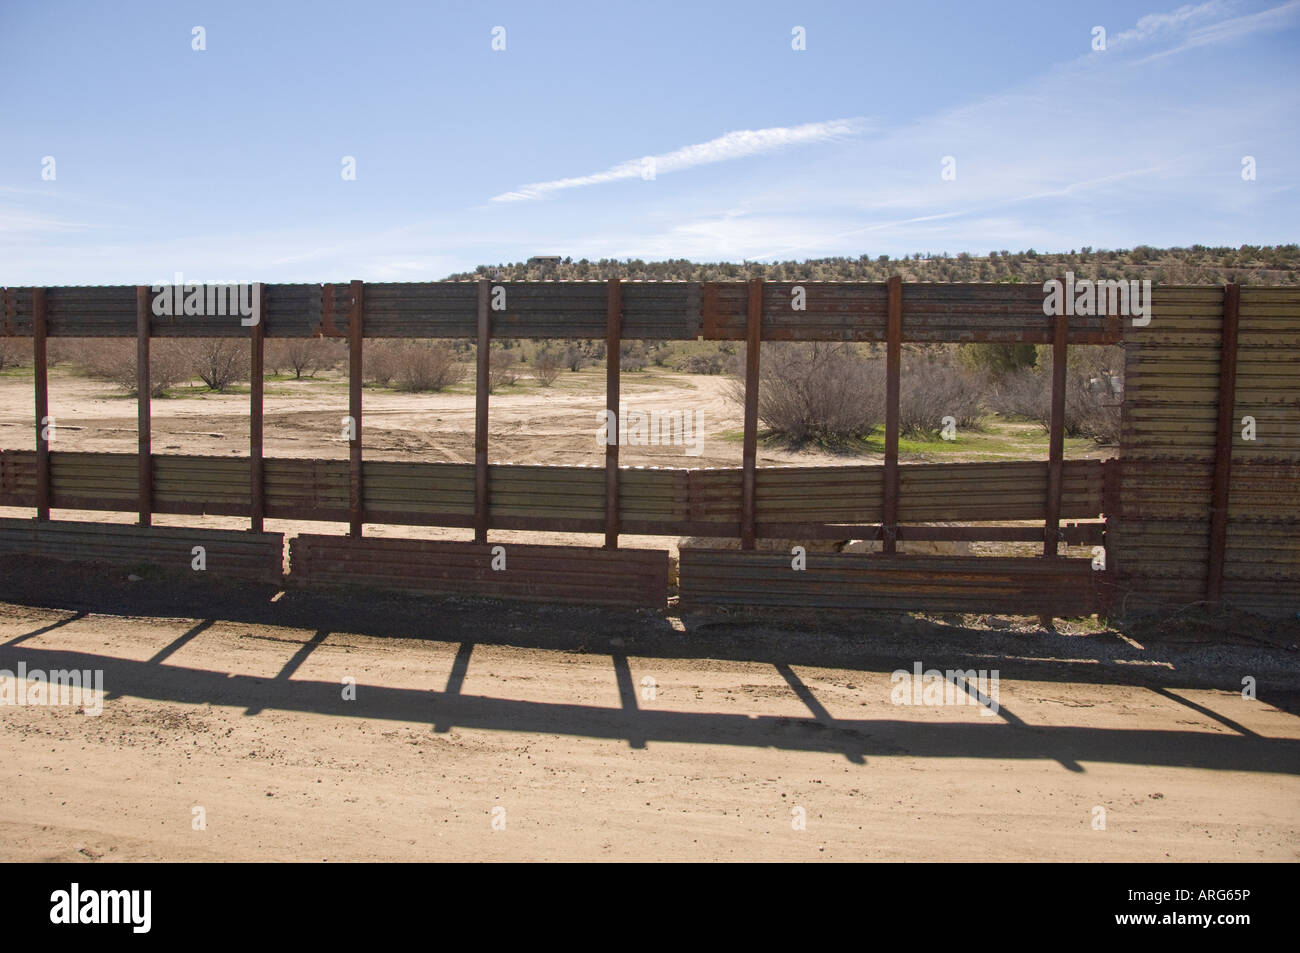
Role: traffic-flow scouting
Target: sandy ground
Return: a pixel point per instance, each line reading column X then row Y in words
column 528, row 424
column 463, row 707
column 303, row 419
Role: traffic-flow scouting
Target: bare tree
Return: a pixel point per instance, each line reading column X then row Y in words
column 380, row 360
column 547, row 364
column 426, row 365
column 932, row 390
column 300, row 355
column 828, row 393
column 219, row 362
column 114, row 360
column 502, row 369
column 15, row 351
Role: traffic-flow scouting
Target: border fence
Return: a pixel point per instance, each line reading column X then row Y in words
column 1201, row 506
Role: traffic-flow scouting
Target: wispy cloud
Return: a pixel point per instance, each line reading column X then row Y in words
column 1154, row 25
column 733, row 145
column 1273, row 18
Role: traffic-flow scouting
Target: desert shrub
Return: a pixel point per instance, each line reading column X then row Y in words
column 632, row 356
column 113, row 360
column 218, row 362
column 1098, row 417
column 15, row 351
column 379, row 361
column 827, row 393
column 696, row 357
column 547, row 364
column 303, row 356
column 503, row 369
column 704, row 363
column 427, row 366
column 1097, row 409
column 59, row 351
column 1089, row 412
column 997, row 359
column 1024, row 393
column 574, row 359
column 931, row 390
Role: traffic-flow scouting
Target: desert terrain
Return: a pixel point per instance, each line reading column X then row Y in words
column 484, row 730
column 627, row 736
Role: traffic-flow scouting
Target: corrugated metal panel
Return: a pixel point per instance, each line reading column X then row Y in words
column 1164, row 489
column 951, row 492
column 426, row 309
column 94, row 481
column 109, row 311
column 1262, row 565
column 1159, row 542
column 576, row 309
column 228, row 554
column 859, row 581
column 664, row 500
column 292, row 310
column 306, row 489
column 856, row 311
column 18, row 477
column 637, row 577
column 1268, row 377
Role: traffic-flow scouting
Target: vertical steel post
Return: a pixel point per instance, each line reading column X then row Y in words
column 481, row 412
column 613, row 347
column 41, row 368
column 356, row 305
column 1056, row 438
column 143, row 301
column 893, row 376
column 753, row 342
column 257, row 381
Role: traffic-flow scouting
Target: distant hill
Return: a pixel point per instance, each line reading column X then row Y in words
column 1247, row 265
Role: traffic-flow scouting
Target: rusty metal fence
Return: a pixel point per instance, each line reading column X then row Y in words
column 1192, row 511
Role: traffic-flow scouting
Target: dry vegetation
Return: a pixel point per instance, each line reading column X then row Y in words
column 827, row 394
column 834, row 394
column 1199, row 264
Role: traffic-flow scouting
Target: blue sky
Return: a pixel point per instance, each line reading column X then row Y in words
column 225, row 164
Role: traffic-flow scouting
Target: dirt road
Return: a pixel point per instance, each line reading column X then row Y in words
column 628, row 736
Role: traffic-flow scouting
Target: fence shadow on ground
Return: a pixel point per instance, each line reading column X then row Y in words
column 850, row 639
column 1003, row 737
